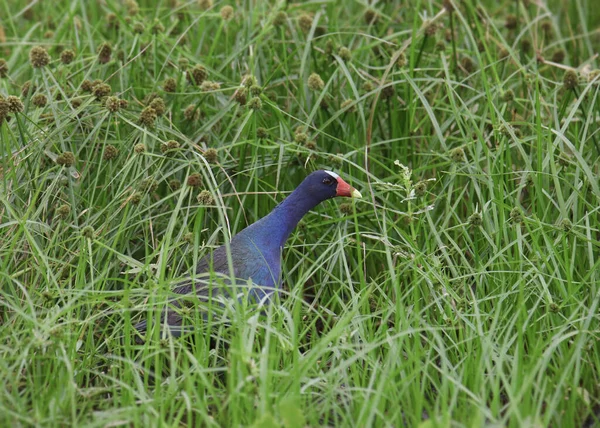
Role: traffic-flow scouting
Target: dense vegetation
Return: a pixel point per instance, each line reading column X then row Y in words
column 462, row 290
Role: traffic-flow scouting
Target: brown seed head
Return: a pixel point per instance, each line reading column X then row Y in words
column 38, row 57
column 211, row 155
column 112, row 104
column 570, row 80
column 197, row 75
column 104, row 53
column 170, row 85
column 101, row 90
column 194, row 180
column 67, row 56
column 39, row 100
column 280, row 18
column 158, row 104
column 15, row 105
column 209, row 86
column 148, row 117
column 110, row 152
column 66, row 159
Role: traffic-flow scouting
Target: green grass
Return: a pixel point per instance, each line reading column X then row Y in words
column 463, row 290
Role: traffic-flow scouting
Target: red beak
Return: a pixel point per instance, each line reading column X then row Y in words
column 344, row 189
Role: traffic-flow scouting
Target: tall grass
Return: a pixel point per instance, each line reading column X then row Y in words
column 461, row 291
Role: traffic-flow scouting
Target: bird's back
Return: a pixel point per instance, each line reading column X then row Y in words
column 256, row 271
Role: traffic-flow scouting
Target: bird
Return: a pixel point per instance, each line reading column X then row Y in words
column 254, row 253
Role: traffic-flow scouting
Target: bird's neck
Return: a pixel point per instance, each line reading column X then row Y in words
column 275, row 228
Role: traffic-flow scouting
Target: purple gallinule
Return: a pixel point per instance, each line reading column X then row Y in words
column 255, row 251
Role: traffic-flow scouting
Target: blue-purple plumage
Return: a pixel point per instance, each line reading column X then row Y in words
column 255, row 251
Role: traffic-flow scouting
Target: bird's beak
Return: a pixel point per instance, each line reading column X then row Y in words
column 344, row 189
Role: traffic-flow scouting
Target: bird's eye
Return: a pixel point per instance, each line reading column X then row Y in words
column 327, row 181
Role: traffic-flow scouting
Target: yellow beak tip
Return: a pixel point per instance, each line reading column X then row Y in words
column 356, row 194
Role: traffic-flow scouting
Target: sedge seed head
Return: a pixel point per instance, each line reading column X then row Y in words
column 209, row 86
column 157, row 27
column 430, row 28
column 101, row 90
column 39, row 100
column 345, row 54
column 110, row 152
column 63, row 211
column 240, row 96
column 174, row 185
column 148, row 185
column 516, row 215
column 169, row 147
column 261, row 133
column 27, row 88
column 38, row 57
column 158, row 104
column 104, row 53
column 170, row 85
column 305, row 22
column 194, row 180
column 311, row 145
column 226, row 12
column 475, row 219
column 67, row 56
column 211, row 155
column 301, row 138
column 88, row 232
column 255, row 90
column 335, row 161
column 66, row 159
column 255, row 103
column 3, row 112
column 136, row 198
column 315, row 83
column 387, row 92
column 205, row 198
column 148, row 117
column 132, row 7
column 87, row 86
column 139, row 27
column 112, row 104
column 280, row 18
column 458, row 154
column 570, row 80
column 205, row 4
column 15, row 105
column 197, row 75
column 191, row 113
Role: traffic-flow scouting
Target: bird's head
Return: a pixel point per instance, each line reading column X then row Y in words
column 327, row 184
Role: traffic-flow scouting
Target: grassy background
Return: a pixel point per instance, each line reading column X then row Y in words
column 461, row 291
